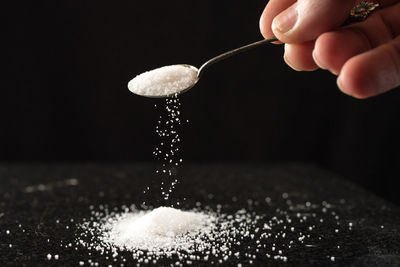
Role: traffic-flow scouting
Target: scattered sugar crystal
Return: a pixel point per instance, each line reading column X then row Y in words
column 203, row 234
column 164, row 232
column 164, row 81
column 49, row 256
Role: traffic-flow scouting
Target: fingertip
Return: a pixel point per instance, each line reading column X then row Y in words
column 265, row 24
column 332, row 51
column 316, row 58
column 284, row 24
column 287, row 59
column 298, row 56
column 373, row 72
column 317, row 53
column 306, row 20
column 353, row 81
column 271, row 10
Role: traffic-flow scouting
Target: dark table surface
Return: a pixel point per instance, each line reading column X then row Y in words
column 41, row 205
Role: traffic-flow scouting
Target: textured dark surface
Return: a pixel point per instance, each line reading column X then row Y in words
column 30, row 212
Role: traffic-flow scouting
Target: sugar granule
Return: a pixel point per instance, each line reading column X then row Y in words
column 164, row 81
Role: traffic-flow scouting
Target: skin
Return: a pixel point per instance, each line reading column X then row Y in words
column 365, row 55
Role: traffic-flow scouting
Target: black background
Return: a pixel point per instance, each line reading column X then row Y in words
column 64, row 95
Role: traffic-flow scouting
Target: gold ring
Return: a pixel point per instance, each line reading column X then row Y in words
column 361, row 11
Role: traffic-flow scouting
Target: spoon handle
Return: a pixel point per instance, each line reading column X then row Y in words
column 234, row 52
column 358, row 13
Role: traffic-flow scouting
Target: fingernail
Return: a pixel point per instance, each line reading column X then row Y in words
column 285, row 58
column 340, row 85
column 321, row 66
column 315, row 58
column 286, row 20
column 334, row 72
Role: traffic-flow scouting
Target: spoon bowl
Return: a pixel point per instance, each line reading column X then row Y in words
column 165, row 81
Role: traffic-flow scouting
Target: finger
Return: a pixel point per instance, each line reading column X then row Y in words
column 307, row 19
column 273, row 8
column 333, row 49
column 372, row 72
column 299, row 56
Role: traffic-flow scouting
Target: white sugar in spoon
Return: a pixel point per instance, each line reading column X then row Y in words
column 176, row 79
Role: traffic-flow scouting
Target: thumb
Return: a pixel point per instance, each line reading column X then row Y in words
column 305, row 20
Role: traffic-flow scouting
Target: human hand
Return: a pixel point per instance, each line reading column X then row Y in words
column 364, row 55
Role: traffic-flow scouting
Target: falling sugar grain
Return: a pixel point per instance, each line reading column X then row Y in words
column 167, row 152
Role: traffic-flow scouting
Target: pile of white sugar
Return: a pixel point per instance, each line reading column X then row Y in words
column 164, row 81
column 198, row 235
column 162, row 228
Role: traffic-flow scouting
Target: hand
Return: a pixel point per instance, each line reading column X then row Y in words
column 364, row 55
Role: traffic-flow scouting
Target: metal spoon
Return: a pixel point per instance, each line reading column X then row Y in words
column 201, row 70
